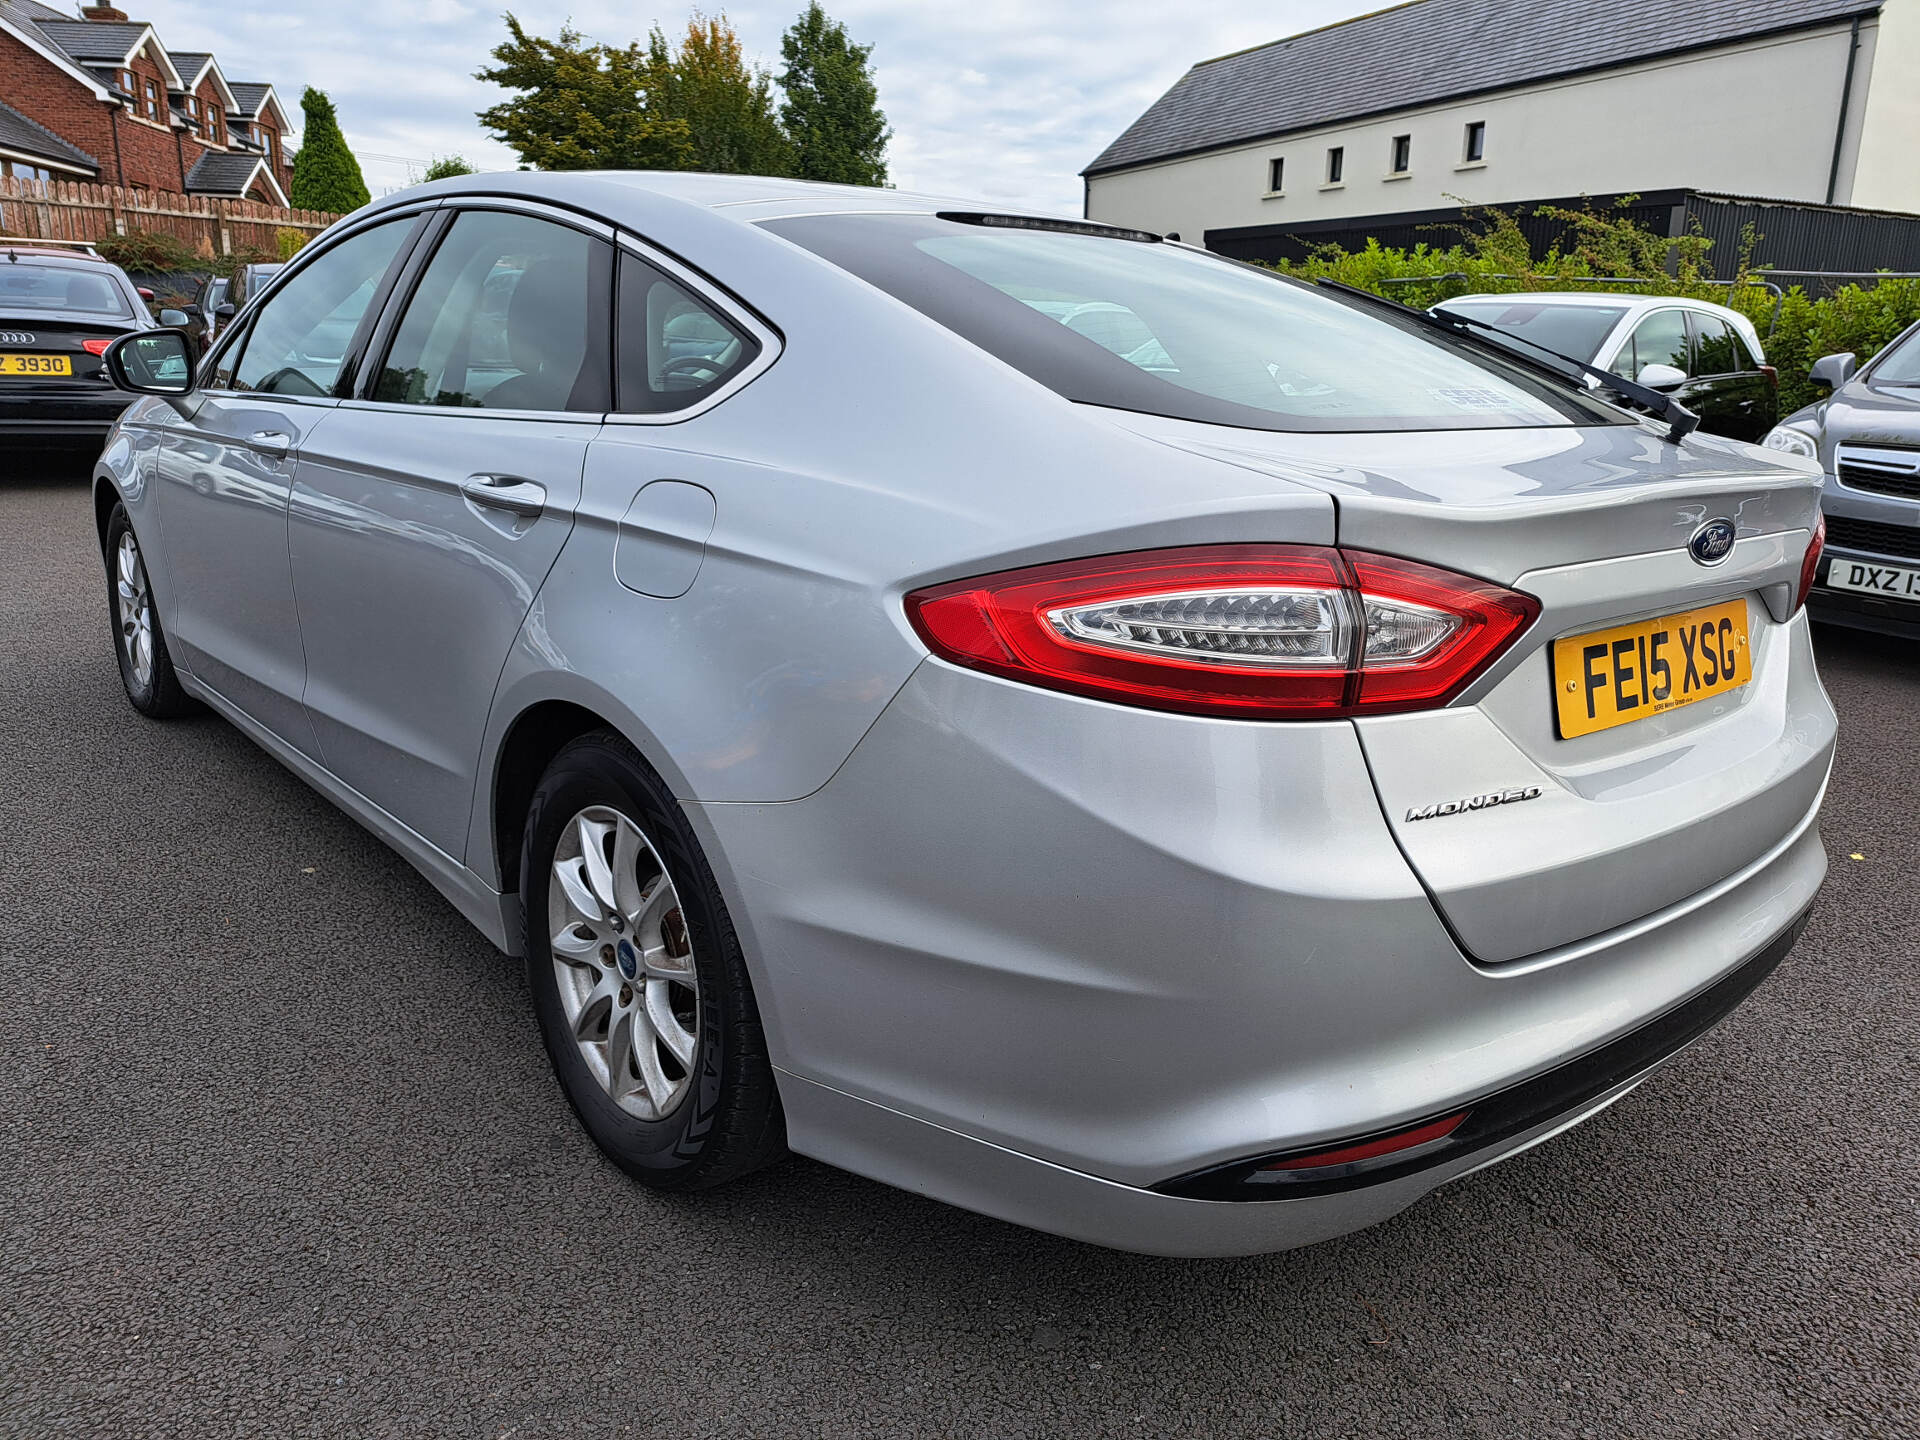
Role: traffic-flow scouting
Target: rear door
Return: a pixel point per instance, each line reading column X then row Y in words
column 425, row 520
column 1731, row 393
column 225, row 474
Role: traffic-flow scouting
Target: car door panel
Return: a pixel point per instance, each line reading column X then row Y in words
column 424, row 526
column 411, row 593
column 225, row 476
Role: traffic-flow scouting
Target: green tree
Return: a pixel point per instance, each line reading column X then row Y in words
column 726, row 104
column 325, row 174
column 448, row 165
column 832, row 114
column 582, row 106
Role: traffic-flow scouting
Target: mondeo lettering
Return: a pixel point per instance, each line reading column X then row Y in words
column 1475, row 802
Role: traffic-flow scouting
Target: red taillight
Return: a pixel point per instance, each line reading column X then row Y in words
column 1810, row 565
column 1392, row 1144
column 1271, row 632
column 95, row 347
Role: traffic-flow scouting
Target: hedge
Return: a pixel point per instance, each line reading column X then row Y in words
column 1492, row 255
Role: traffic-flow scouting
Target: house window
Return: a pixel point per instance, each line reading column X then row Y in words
column 219, row 128
column 1402, row 154
column 1336, row 164
column 20, row 170
column 125, row 79
column 153, row 100
column 1276, row 173
column 1476, row 150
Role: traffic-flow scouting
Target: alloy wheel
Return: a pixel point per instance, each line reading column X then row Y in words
column 134, row 602
column 623, row 962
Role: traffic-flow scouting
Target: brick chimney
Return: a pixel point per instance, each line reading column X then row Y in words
column 103, row 12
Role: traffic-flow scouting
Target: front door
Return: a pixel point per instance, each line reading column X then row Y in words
column 226, row 474
column 428, row 514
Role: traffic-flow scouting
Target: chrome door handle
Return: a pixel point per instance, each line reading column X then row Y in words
column 506, row 492
column 271, row 442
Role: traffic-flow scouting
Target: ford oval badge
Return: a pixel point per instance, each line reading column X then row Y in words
column 1712, row 542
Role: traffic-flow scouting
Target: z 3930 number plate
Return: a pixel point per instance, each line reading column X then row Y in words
column 1614, row 677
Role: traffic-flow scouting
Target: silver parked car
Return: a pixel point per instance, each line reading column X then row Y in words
column 1033, row 713
column 1866, row 438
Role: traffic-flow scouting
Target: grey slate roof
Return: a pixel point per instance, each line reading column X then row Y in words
column 1429, row 50
column 100, row 41
column 250, row 95
column 17, row 132
column 217, row 173
column 189, row 63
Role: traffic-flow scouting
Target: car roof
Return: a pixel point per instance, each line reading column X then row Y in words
column 1586, row 299
column 38, row 253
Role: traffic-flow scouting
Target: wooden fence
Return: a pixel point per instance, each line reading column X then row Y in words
column 210, row 224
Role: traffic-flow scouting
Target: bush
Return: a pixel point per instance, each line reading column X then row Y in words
column 152, row 251
column 288, row 241
column 1492, row 255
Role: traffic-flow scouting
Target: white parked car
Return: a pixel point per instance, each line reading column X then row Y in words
column 1708, row 357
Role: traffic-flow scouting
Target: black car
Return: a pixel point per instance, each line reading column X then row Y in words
column 59, row 310
column 208, row 311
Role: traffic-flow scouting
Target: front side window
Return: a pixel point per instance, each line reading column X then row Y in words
column 299, row 340
column 1401, row 159
column 508, row 315
column 1336, row 164
column 1660, row 339
column 1899, row 364
column 1138, row 325
column 673, row 347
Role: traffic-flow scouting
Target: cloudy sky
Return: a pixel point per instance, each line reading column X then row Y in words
column 1006, row 99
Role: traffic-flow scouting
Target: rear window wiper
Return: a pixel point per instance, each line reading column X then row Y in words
column 1681, row 422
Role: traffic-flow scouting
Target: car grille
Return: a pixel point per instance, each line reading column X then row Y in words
column 1845, row 533
column 1879, row 469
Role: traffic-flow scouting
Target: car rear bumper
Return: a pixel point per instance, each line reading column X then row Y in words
column 1882, row 614
column 32, row 414
column 929, row 1159
column 1021, row 934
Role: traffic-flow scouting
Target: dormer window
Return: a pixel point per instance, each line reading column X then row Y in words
column 151, row 104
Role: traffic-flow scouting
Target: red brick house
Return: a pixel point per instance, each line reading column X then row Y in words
column 98, row 98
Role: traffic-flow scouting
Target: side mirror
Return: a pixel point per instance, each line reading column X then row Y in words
column 192, row 307
column 1833, row 370
column 225, row 311
column 1662, row 377
column 175, row 319
column 152, row 362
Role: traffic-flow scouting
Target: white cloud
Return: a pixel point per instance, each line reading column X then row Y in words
column 1005, row 99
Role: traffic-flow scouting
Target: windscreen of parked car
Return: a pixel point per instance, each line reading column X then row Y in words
column 1577, row 331
column 1135, row 324
column 26, row 287
column 1901, row 364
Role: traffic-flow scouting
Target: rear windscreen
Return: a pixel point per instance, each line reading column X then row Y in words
column 1165, row 330
column 26, row 287
column 1574, row 330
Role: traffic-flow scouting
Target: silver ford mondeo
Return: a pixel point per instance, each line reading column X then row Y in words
column 1018, row 708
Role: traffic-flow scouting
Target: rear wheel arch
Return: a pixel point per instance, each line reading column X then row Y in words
column 537, row 734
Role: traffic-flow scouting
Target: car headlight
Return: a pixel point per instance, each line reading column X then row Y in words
column 1792, row 441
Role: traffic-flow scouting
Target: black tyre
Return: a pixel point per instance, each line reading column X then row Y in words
column 138, row 640
column 637, row 976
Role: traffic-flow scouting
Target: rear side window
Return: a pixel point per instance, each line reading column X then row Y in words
column 673, row 348
column 299, row 341
column 1134, row 324
column 508, row 315
column 27, row 288
column 1717, row 347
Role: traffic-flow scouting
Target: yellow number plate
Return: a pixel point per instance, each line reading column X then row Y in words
column 35, row 365
column 1614, row 677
